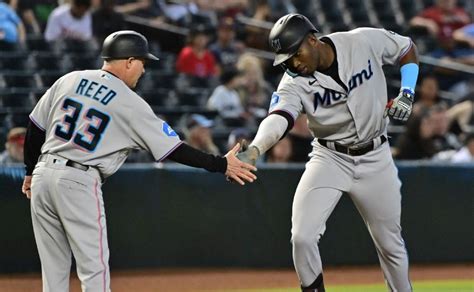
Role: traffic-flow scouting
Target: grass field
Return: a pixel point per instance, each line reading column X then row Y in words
column 419, row 286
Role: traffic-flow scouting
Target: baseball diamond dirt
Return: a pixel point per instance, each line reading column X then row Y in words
column 173, row 280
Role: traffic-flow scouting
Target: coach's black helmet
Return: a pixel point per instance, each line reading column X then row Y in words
column 287, row 34
column 124, row 44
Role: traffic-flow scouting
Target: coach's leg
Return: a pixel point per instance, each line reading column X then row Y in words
column 53, row 247
column 85, row 222
column 312, row 206
column 376, row 194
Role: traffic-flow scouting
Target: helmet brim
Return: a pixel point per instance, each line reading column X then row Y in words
column 151, row 57
column 281, row 58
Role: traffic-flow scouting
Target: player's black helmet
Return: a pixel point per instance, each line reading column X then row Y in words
column 124, row 44
column 287, row 34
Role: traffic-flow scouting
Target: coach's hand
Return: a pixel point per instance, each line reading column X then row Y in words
column 399, row 108
column 237, row 170
column 26, row 188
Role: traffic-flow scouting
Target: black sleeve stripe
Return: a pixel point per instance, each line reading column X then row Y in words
column 288, row 117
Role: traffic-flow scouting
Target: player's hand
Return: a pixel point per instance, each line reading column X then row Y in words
column 237, row 170
column 248, row 154
column 400, row 107
column 26, row 188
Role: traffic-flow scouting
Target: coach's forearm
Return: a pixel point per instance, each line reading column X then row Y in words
column 270, row 131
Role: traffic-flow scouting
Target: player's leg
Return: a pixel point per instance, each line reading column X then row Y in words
column 312, row 206
column 53, row 247
column 376, row 194
column 83, row 216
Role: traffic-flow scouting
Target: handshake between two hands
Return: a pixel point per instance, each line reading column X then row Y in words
column 240, row 164
column 400, row 107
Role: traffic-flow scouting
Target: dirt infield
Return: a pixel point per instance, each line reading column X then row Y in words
column 213, row 279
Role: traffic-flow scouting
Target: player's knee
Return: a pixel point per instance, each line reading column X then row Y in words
column 304, row 240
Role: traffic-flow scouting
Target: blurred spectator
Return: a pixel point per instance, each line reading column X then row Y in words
column 427, row 95
column 195, row 60
column 198, row 134
column 466, row 153
column 236, row 136
column 257, row 33
column 190, row 13
column 25, row 9
column 255, row 91
column 106, row 20
column 226, row 101
column 441, row 20
column 280, row 152
column 463, row 114
column 36, row 13
column 226, row 49
column 465, row 35
column 301, row 138
column 13, row 152
column 12, row 30
column 426, row 135
column 70, row 21
column 139, row 7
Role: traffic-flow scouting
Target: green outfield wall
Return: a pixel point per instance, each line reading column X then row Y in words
column 182, row 217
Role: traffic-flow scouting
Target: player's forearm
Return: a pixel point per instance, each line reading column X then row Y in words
column 409, row 69
column 190, row 156
column 34, row 139
column 270, row 131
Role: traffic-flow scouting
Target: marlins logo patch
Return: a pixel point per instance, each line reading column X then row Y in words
column 276, row 45
column 168, row 130
column 275, row 100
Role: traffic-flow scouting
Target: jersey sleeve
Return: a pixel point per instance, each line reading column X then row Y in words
column 40, row 114
column 286, row 99
column 387, row 44
column 153, row 134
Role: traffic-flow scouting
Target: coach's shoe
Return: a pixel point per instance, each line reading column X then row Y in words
column 317, row 286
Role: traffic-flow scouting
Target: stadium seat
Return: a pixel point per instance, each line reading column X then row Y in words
column 49, row 61
column 15, row 61
column 39, row 44
column 155, row 97
column 49, row 77
column 20, row 79
column 84, row 61
column 14, row 99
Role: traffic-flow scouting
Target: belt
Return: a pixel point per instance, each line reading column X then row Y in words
column 352, row 150
column 76, row 165
column 70, row 163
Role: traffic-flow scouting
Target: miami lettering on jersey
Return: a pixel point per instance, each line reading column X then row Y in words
column 96, row 91
column 358, row 79
column 330, row 96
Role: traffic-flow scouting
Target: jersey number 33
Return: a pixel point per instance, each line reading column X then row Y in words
column 96, row 123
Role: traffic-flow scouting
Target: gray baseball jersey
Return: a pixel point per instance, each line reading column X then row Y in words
column 348, row 112
column 353, row 114
column 91, row 121
column 93, row 118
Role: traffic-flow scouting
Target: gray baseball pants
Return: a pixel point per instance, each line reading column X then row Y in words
column 68, row 217
column 371, row 180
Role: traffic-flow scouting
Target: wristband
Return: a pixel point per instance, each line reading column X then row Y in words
column 409, row 74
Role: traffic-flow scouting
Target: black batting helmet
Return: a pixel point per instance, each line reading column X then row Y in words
column 124, row 44
column 287, row 34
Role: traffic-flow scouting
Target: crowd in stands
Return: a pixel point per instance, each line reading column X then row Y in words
column 216, row 88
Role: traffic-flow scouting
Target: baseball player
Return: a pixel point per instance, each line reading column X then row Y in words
column 81, row 132
column 338, row 81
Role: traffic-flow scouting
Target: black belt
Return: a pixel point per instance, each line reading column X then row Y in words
column 76, row 165
column 352, row 151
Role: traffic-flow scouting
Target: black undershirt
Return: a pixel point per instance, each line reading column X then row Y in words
column 184, row 154
column 188, row 155
column 34, row 139
column 332, row 70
